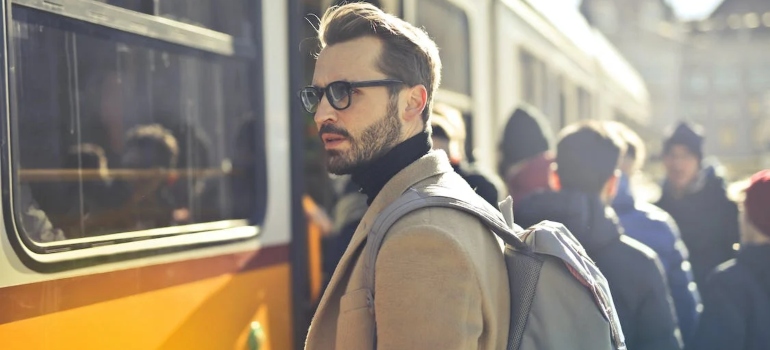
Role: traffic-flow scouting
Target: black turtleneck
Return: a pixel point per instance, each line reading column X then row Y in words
column 373, row 176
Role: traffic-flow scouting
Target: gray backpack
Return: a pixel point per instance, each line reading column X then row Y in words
column 559, row 298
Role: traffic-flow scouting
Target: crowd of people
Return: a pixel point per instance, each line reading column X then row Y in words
column 688, row 272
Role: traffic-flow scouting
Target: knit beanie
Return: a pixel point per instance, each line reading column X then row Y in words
column 526, row 134
column 757, row 204
column 688, row 135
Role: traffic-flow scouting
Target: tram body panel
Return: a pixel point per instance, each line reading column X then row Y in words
column 221, row 295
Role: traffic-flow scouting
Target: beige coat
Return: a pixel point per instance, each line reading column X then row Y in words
column 441, row 282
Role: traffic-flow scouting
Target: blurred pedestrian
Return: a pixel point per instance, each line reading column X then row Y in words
column 586, row 177
column 448, row 134
column 526, row 153
column 737, row 296
column 695, row 196
column 656, row 229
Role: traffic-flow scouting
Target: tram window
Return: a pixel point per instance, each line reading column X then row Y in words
column 229, row 16
column 528, row 78
column 448, row 26
column 533, row 80
column 117, row 133
column 584, row 104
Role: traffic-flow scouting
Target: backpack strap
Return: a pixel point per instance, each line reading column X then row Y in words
column 433, row 196
column 440, row 196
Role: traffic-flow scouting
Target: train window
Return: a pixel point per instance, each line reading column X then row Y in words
column 584, row 104
column 528, row 78
column 533, row 80
column 448, row 26
column 143, row 6
column 117, row 133
column 232, row 16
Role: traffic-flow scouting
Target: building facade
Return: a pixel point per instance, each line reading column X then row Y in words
column 647, row 34
column 725, row 83
column 714, row 71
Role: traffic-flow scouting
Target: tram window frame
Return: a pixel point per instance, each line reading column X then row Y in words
column 157, row 33
column 465, row 58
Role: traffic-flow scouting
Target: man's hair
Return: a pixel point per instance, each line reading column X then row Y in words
column 157, row 138
column 408, row 54
column 635, row 148
column 587, row 155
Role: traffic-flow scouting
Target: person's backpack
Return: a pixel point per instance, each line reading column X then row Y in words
column 559, row 298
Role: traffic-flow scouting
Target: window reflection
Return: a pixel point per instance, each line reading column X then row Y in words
column 115, row 133
column 448, row 27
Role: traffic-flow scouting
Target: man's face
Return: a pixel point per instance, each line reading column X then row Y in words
column 371, row 126
column 681, row 166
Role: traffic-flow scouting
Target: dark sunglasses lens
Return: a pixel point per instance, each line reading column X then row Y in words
column 339, row 94
column 310, row 98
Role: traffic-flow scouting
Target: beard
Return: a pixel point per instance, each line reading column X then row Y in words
column 374, row 142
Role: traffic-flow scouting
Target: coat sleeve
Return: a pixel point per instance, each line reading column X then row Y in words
column 657, row 327
column 426, row 293
column 730, row 229
column 680, row 281
column 721, row 325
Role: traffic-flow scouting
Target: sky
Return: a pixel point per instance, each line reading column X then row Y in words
column 685, row 9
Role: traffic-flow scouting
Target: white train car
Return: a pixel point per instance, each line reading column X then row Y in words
column 498, row 54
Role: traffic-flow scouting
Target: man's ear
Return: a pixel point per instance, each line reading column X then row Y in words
column 611, row 186
column 553, row 178
column 416, row 102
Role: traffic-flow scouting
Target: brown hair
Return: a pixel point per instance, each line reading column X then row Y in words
column 587, row 156
column 408, row 53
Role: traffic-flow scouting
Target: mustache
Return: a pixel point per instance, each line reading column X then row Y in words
column 332, row 129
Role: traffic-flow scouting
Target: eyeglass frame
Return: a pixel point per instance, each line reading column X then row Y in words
column 350, row 86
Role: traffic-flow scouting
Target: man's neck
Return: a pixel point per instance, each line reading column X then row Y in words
column 373, row 176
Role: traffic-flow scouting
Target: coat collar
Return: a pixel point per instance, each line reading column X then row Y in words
column 432, row 164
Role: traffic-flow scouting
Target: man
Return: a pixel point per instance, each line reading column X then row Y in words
column 441, row 281
column 449, row 135
column 586, row 179
column 526, row 153
column 656, row 229
column 695, row 197
column 737, row 296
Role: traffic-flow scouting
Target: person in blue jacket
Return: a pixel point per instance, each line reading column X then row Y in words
column 656, row 229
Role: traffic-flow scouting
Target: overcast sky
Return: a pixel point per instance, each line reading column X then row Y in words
column 685, row 9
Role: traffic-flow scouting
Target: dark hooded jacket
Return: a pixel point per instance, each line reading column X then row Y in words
column 736, row 300
column 632, row 270
column 707, row 220
column 486, row 185
column 656, row 229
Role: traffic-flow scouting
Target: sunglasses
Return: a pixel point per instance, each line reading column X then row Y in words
column 338, row 93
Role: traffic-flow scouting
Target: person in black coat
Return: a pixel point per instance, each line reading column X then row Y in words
column 449, row 135
column 586, row 178
column 736, row 297
column 695, row 196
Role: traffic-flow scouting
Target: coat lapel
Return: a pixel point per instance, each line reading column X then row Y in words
column 432, row 164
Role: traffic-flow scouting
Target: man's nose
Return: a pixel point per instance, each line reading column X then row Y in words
column 325, row 113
